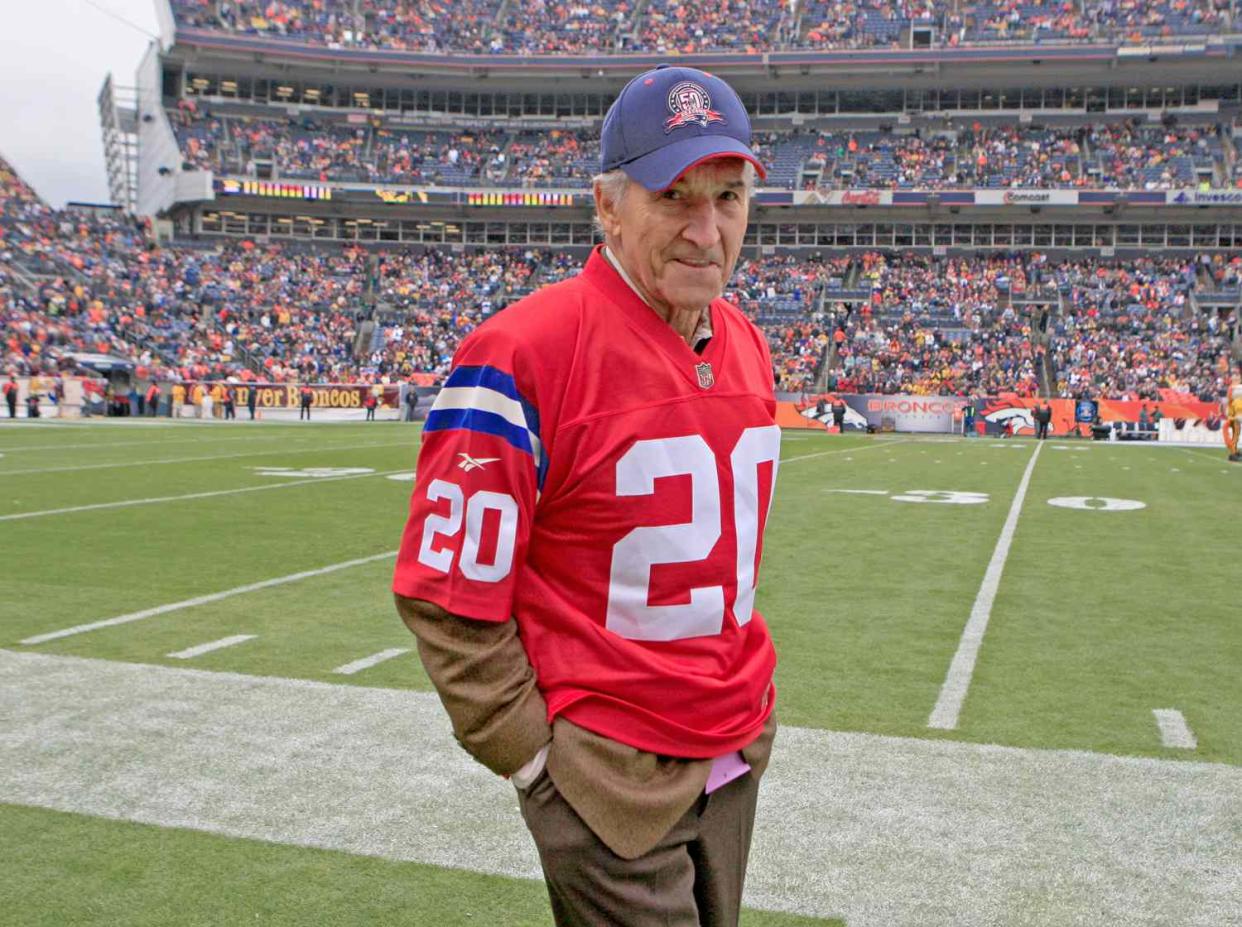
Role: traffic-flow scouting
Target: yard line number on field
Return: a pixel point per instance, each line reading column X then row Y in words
column 956, row 684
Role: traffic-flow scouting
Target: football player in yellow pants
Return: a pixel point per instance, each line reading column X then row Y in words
column 1233, row 421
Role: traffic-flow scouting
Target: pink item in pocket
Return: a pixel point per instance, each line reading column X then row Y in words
column 725, row 769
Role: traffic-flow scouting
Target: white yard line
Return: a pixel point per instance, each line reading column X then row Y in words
column 203, row 599
column 367, row 662
column 957, row 683
column 153, row 443
column 879, row 831
column 325, row 449
column 846, row 450
column 1220, row 455
column 126, row 503
column 1174, row 731
column 191, row 652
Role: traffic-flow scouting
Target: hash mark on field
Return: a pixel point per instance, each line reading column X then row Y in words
column 191, row 652
column 957, row 683
column 1174, row 731
column 367, row 662
column 203, row 599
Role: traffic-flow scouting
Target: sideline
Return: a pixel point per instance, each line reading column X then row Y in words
column 881, row 831
column 156, row 443
column 948, row 707
column 126, row 503
column 203, row 599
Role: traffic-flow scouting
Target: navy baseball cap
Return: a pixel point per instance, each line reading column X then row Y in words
column 667, row 120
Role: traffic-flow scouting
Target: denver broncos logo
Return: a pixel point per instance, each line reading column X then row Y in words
column 690, row 104
column 1023, row 420
column 853, row 418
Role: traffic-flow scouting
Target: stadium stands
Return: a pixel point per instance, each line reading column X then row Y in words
column 878, row 322
column 235, row 140
column 540, row 27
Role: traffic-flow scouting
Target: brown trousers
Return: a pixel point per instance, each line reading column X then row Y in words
column 692, row 878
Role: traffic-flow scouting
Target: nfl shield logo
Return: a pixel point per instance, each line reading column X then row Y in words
column 706, row 380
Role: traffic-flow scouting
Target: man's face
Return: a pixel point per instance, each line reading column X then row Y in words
column 679, row 245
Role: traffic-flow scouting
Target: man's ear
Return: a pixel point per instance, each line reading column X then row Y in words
column 607, row 210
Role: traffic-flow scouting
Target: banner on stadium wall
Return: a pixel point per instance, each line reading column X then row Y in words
column 271, row 188
column 1018, row 197
column 873, row 412
column 1026, row 197
column 996, row 411
column 1204, row 197
column 943, row 414
column 402, row 196
column 526, row 198
column 844, row 198
column 287, row 395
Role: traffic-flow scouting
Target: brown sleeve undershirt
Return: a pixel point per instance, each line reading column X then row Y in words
column 485, row 682
column 628, row 797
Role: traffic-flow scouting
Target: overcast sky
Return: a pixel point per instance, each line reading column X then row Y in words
column 54, row 55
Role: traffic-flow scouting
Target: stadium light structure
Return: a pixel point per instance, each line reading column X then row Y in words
column 118, row 124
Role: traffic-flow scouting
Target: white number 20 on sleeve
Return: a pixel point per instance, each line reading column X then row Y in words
column 448, row 525
column 634, row 555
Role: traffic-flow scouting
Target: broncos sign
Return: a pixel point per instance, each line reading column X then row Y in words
column 1002, row 414
column 854, row 420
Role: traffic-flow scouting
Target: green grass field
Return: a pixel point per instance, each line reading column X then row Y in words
column 876, row 550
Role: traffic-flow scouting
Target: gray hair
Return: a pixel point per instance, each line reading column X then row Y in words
column 615, row 182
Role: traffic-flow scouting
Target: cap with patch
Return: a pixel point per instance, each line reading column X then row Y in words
column 668, row 120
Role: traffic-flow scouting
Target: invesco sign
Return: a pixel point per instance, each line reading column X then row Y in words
column 1208, row 198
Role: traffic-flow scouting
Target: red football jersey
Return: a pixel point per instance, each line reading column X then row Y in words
column 587, row 473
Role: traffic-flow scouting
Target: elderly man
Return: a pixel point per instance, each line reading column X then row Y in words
column 584, row 538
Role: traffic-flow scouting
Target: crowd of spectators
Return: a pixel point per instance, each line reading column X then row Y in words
column 733, row 25
column 234, row 143
column 588, row 27
column 1127, row 331
column 939, row 326
column 1152, row 158
column 81, row 281
column 308, row 149
column 1127, row 155
column 781, row 293
column 990, row 324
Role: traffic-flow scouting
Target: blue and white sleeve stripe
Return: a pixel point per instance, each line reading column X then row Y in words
column 486, row 399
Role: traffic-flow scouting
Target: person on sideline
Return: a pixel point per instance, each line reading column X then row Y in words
column 632, row 707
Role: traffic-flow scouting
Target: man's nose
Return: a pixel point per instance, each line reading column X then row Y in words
column 702, row 228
